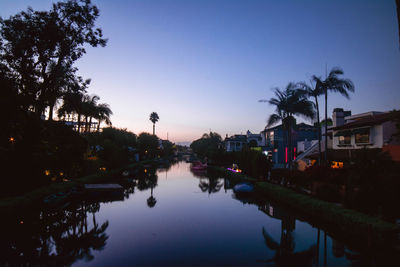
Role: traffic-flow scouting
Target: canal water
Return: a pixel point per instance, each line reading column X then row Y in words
column 172, row 217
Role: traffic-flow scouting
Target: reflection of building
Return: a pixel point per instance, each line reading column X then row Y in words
column 288, row 221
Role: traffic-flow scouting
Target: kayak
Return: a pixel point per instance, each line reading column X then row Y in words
column 243, row 188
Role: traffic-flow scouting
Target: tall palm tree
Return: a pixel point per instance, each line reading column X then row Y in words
column 154, row 118
column 312, row 91
column 289, row 103
column 335, row 84
column 103, row 113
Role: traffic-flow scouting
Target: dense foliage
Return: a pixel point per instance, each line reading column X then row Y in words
column 211, row 146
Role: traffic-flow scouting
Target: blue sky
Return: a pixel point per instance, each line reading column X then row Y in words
column 204, row 65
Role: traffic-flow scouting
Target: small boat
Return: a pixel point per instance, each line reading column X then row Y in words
column 243, row 188
column 197, row 166
column 234, row 168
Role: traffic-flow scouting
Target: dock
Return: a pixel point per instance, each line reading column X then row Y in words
column 103, row 188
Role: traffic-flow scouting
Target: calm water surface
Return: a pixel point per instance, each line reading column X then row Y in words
column 172, row 217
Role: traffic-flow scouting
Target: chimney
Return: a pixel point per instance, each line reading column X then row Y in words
column 338, row 116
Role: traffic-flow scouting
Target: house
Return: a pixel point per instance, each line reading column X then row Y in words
column 276, row 142
column 255, row 140
column 238, row 141
column 235, row 142
column 366, row 130
column 350, row 133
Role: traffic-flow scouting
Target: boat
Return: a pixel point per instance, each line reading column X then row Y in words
column 198, row 166
column 243, row 188
column 234, row 168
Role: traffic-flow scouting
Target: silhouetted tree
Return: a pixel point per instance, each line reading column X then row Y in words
column 289, row 103
column 154, row 118
column 312, row 91
column 39, row 48
column 335, row 84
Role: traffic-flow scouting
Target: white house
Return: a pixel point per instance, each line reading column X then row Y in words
column 366, row 130
column 235, row 143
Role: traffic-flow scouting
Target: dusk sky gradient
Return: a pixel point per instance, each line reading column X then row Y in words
column 204, row 65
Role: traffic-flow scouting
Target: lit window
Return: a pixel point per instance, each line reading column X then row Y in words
column 271, row 137
column 362, row 138
column 344, row 140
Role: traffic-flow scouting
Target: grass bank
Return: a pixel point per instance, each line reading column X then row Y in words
column 36, row 196
column 349, row 222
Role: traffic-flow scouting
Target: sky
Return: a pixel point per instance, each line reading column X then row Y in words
column 203, row 65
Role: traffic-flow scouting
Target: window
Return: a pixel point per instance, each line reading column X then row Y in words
column 344, row 140
column 271, row 138
column 362, row 138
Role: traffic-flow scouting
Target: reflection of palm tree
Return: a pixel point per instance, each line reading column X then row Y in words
column 213, row 185
column 151, row 201
column 284, row 255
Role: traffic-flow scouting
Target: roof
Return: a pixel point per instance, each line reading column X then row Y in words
column 369, row 120
column 300, row 126
column 237, row 138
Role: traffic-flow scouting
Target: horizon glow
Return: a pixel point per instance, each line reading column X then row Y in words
column 203, row 65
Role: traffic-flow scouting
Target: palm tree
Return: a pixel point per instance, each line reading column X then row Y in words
column 289, row 103
column 312, row 91
column 73, row 103
column 335, row 84
column 103, row 113
column 154, row 118
column 90, row 110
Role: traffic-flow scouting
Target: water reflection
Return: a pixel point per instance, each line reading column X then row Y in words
column 209, row 182
column 209, row 230
column 53, row 237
